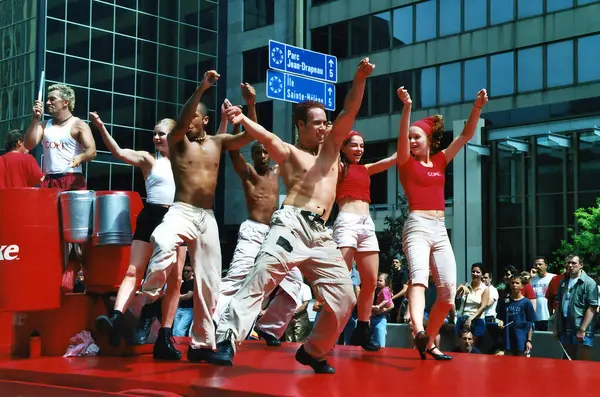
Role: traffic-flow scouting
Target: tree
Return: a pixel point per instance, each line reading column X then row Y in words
column 390, row 240
column 587, row 241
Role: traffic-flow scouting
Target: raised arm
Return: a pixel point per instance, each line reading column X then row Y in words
column 34, row 132
column 239, row 162
column 469, row 129
column 343, row 122
column 403, row 144
column 137, row 158
column 223, row 125
column 278, row 149
column 87, row 140
column 381, row 165
column 188, row 112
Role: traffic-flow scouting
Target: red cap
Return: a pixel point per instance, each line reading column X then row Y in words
column 351, row 134
column 425, row 124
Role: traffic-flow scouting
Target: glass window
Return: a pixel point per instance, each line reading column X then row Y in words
column 124, row 137
column 509, row 245
column 589, row 164
column 188, row 12
column 187, row 88
column 123, row 110
column 102, row 15
column 78, row 11
column 206, row 62
column 147, row 56
column 77, row 71
column 125, row 51
column 264, row 112
column 166, row 110
column 146, row 85
column 101, row 102
column 167, row 32
column 78, row 40
column 582, row 2
column 450, row 83
column 450, row 17
column 381, row 26
column 502, row 74
column 549, row 164
column 529, row 8
column 55, row 8
column 403, row 26
column 166, row 10
column 427, row 82
column 98, row 176
column 147, row 27
column 474, row 77
column 126, row 3
column 530, row 69
column 149, row 7
column 501, row 11
column 55, row 35
column 359, row 36
column 559, row 64
column 121, row 177
column 556, row 5
column 167, row 60
column 258, row 13
column 475, row 14
column 167, row 89
column 339, row 39
column 208, row 42
column 319, row 39
column 401, row 79
column 255, row 64
column 188, row 37
column 588, row 59
column 101, row 76
column 125, row 21
column 102, row 46
column 145, row 111
column 124, row 80
column 426, row 20
column 188, row 65
column 139, row 183
column 208, row 15
column 380, row 95
column 55, row 70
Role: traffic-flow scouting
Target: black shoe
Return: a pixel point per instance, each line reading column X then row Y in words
column 270, row 339
column 224, row 354
column 147, row 316
column 204, row 355
column 164, row 349
column 111, row 326
column 438, row 357
column 362, row 336
column 421, row 341
column 320, row 367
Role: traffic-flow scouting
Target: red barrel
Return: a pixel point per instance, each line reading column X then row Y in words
column 31, row 252
column 105, row 265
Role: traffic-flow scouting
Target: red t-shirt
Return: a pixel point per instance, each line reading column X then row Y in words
column 356, row 185
column 552, row 290
column 528, row 292
column 424, row 186
column 19, row 170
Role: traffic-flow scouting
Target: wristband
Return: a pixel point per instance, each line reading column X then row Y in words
column 528, row 341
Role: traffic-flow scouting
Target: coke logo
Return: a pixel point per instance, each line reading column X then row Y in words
column 53, row 145
column 9, row 252
column 432, row 174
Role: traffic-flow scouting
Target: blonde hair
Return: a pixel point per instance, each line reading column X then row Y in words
column 66, row 93
column 169, row 124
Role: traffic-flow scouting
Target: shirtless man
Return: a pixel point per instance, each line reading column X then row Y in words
column 67, row 141
column 298, row 236
column 261, row 188
column 195, row 158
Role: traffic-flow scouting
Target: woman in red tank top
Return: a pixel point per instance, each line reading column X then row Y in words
column 425, row 239
column 354, row 231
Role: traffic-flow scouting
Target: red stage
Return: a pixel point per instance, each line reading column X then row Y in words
column 264, row 371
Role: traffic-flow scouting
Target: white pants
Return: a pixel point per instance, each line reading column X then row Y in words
column 426, row 245
column 198, row 228
column 295, row 239
column 281, row 310
column 355, row 231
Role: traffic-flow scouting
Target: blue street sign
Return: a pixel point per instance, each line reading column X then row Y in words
column 291, row 88
column 290, row 59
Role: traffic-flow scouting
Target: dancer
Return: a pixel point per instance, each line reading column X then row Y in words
column 261, row 188
column 354, row 230
column 298, row 236
column 195, row 158
column 160, row 190
column 424, row 238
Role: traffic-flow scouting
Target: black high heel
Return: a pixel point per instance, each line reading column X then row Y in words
column 438, row 357
column 421, row 341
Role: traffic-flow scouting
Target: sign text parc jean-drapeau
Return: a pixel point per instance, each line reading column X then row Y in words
column 301, row 75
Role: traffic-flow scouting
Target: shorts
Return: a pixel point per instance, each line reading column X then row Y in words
column 150, row 217
column 355, row 231
column 65, row 182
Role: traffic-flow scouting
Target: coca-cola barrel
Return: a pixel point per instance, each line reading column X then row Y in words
column 105, row 265
column 31, row 261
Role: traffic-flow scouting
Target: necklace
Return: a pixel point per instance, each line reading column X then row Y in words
column 314, row 152
column 63, row 121
column 198, row 139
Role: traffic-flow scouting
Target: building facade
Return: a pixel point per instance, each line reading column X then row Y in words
column 133, row 62
column 511, row 194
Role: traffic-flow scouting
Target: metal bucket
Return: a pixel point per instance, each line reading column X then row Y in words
column 112, row 223
column 77, row 214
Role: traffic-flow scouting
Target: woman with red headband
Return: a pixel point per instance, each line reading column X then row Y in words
column 354, row 233
column 424, row 239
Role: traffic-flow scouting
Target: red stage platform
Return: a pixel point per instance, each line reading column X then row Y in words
column 264, row 371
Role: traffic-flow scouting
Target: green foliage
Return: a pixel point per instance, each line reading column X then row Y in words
column 586, row 242
column 390, row 240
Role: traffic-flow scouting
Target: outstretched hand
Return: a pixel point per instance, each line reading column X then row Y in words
column 404, row 96
column 482, row 98
column 95, row 119
column 248, row 93
column 365, row 68
column 210, row 78
column 234, row 114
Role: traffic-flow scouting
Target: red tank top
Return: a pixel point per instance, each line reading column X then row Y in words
column 424, row 186
column 356, row 185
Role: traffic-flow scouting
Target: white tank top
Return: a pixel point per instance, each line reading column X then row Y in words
column 59, row 148
column 160, row 184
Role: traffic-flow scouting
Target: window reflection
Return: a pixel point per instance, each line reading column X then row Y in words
column 556, row 5
column 427, row 81
column 359, row 34
column 450, row 16
column 474, row 77
column 450, row 83
column 528, row 8
column 501, row 11
column 258, row 13
column 559, row 64
column 403, row 26
column 121, row 177
column 426, row 20
column 380, row 31
column 475, row 14
column 502, row 74
column 98, row 175
column 530, row 69
column 588, row 59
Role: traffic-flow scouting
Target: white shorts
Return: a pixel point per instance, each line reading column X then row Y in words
column 355, row 231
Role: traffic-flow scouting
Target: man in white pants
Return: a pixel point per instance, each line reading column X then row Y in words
column 195, row 158
column 298, row 236
column 260, row 182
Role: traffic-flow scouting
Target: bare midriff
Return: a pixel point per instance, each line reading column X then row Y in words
column 354, row 206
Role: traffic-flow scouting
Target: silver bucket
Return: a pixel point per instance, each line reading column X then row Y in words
column 112, row 223
column 76, row 211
